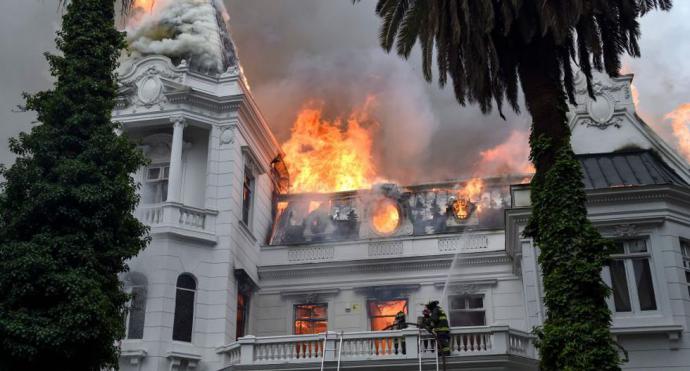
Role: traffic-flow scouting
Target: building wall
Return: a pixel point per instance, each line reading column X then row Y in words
column 347, row 294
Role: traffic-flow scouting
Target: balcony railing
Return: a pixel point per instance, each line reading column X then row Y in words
column 410, row 344
column 180, row 219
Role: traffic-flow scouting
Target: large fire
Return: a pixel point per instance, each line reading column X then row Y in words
column 385, row 216
column 511, row 156
column 680, row 123
column 468, row 198
column 330, row 156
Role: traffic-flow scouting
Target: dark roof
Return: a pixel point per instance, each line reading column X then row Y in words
column 621, row 169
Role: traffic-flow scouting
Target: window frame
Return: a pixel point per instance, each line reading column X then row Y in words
column 467, row 308
column 157, row 184
column 371, row 300
column 295, row 319
column 245, row 316
column 628, row 257
column 248, row 207
column 684, row 245
column 135, row 280
column 194, row 299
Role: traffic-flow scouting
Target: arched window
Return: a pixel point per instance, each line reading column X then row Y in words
column 184, row 308
column 135, row 284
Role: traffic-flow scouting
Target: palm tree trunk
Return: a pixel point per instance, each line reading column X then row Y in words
column 575, row 334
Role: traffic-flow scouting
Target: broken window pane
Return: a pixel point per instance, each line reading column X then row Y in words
column 311, row 318
column 382, row 312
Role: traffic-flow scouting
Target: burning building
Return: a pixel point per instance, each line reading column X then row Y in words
column 300, row 256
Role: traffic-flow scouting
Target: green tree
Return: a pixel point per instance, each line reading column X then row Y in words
column 487, row 47
column 66, row 223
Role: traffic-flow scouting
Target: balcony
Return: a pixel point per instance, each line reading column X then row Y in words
column 491, row 347
column 179, row 220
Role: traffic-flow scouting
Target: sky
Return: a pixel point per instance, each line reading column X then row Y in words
column 297, row 51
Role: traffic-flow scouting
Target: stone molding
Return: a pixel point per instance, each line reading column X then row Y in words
column 474, row 243
column 406, row 265
column 385, row 248
column 311, row 253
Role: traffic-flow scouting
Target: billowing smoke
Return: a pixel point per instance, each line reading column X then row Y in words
column 300, row 51
column 193, row 30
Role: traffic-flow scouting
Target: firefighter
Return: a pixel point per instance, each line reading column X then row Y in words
column 400, row 323
column 436, row 322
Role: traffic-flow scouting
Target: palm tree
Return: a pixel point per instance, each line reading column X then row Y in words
column 487, row 47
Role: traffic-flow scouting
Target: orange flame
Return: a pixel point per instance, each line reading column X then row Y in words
column 313, row 205
column 511, row 156
column 328, row 156
column 146, row 5
column 385, row 217
column 680, row 123
column 635, row 95
column 469, row 194
column 280, row 208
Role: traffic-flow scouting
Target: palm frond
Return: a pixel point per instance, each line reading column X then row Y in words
column 478, row 42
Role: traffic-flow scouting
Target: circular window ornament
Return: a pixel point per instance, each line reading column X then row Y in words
column 385, row 217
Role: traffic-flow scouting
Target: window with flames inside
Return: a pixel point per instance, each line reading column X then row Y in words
column 382, row 312
column 311, row 319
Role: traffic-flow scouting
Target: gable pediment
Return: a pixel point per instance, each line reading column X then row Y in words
column 609, row 123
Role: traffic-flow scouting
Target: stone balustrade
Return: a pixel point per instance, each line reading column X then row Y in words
column 410, row 344
column 173, row 217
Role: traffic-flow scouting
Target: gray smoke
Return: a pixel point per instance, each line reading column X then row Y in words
column 293, row 51
column 182, row 29
column 296, row 49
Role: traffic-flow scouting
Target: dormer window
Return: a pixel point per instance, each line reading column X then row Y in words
column 157, row 183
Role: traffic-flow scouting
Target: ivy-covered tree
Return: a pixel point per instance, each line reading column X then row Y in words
column 66, row 223
column 487, row 47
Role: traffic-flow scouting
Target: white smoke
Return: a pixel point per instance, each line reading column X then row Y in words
column 193, row 30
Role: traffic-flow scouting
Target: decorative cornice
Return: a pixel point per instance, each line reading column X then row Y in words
column 406, row 265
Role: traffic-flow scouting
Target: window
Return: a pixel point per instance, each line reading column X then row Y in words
column 242, row 314
column 247, row 194
column 157, row 183
column 382, row 312
column 467, row 310
column 685, row 250
column 311, row 318
column 136, row 286
column 184, row 308
column 631, row 277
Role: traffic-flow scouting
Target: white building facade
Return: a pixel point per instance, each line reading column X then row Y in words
column 241, row 276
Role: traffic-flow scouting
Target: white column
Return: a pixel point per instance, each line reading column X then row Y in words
column 175, row 176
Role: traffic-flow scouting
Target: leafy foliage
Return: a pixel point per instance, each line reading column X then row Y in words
column 66, row 223
column 487, row 47
column 478, row 42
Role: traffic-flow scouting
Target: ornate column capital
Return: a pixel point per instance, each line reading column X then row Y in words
column 178, row 120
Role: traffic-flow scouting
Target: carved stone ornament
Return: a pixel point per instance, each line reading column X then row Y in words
column 149, row 87
column 227, row 135
column 600, row 111
column 598, row 86
column 625, row 231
